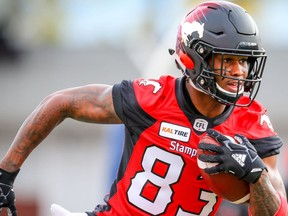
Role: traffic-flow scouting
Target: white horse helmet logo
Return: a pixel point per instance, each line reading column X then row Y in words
column 156, row 85
column 189, row 28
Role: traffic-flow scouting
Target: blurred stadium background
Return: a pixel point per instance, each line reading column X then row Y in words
column 48, row 45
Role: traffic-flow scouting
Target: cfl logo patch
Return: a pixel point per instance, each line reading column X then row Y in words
column 200, row 125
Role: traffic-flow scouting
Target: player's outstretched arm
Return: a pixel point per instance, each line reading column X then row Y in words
column 91, row 103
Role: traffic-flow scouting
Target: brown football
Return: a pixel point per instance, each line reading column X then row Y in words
column 224, row 185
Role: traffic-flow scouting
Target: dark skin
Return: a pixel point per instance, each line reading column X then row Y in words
column 94, row 104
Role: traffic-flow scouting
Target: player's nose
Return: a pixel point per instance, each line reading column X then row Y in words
column 239, row 70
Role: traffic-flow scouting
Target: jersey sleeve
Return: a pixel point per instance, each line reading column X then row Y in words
column 138, row 101
column 127, row 106
column 268, row 146
column 255, row 124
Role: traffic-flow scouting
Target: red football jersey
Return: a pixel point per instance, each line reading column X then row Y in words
column 158, row 174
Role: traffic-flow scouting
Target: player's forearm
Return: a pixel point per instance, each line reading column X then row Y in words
column 264, row 200
column 32, row 132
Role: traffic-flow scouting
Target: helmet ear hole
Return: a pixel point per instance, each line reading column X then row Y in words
column 186, row 60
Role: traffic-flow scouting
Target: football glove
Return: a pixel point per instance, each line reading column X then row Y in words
column 7, row 195
column 240, row 159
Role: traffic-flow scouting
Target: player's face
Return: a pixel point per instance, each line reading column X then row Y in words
column 229, row 69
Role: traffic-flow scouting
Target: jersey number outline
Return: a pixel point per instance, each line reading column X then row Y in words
column 161, row 170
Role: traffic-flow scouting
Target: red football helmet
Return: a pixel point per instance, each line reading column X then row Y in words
column 219, row 27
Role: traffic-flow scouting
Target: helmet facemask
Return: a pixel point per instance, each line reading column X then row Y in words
column 205, row 81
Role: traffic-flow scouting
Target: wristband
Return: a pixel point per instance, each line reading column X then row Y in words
column 7, row 177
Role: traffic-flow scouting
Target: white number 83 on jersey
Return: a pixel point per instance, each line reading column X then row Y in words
column 150, row 190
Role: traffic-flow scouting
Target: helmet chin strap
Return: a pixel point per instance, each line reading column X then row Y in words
column 230, row 94
column 223, row 96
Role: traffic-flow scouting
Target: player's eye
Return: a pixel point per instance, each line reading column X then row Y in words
column 243, row 61
column 227, row 60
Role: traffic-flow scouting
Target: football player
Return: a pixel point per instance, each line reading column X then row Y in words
column 219, row 52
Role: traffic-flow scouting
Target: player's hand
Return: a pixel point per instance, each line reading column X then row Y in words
column 7, row 195
column 240, row 159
